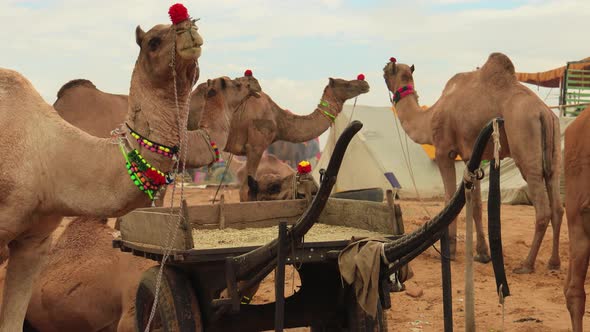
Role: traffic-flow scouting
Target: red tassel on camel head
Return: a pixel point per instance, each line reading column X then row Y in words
column 178, row 13
column 361, row 77
column 248, row 73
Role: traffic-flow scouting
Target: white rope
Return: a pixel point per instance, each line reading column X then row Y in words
column 183, row 148
column 407, row 161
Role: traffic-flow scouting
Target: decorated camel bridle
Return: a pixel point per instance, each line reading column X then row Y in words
column 402, row 92
column 144, row 176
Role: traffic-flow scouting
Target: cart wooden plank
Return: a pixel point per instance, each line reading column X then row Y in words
column 152, row 228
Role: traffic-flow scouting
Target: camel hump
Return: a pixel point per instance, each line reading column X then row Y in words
column 498, row 64
column 75, row 83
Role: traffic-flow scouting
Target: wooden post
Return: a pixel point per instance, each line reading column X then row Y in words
column 446, row 281
column 280, row 278
column 221, row 214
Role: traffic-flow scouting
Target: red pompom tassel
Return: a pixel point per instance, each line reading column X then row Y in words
column 248, row 73
column 178, row 13
column 392, row 59
column 361, row 77
column 304, row 167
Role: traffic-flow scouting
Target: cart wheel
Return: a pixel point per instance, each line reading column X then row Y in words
column 359, row 321
column 177, row 310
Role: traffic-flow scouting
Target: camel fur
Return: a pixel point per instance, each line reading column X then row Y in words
column 577, row 206
column 58, row 170
column 530, row 136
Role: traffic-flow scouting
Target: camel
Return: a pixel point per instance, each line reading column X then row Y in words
column 274, row 178
column 262, row 122
column 530, row 136
column 577, row 206
column 82, row 104
column 50, row 174
column 61, row 304
column 97, row 293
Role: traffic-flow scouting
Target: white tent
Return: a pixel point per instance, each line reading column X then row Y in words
column 374, row 158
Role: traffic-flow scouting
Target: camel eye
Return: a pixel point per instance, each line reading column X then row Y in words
column 154, row 43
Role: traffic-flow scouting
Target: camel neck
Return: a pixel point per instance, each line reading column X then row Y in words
column 157, row 113
column 297, row 128
column 415, row 121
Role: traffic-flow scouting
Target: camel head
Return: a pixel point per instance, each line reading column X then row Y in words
column 272, row 186
column 344, row 90
column 228, row 93
column 163, row 46
column 223, row 97
column 397, row 75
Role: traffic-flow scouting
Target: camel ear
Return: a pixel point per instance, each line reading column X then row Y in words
column 139, row 34
column 412, row 69
column 331, row 81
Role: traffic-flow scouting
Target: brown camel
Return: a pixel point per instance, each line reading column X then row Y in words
column 530, row 136
column 80, row 103
column 83, row 105
column 60, row 296
column 52, row 174
column 97, row 293
column 275, row 179
column 261, row 122
column 577, row 206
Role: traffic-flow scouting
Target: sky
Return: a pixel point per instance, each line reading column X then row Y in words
column 293, row 47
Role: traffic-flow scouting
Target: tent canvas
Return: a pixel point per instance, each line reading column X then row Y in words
column 374, row 158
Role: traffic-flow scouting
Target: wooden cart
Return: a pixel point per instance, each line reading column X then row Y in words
column 194, row 278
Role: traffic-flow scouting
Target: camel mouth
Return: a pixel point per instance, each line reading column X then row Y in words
column 190, row 52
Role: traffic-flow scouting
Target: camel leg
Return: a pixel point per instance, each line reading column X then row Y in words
column 542, row 218
column 574, row 291
column 483, row 253
column 24, row 265
column 446, row 167
column 556, row 219
column 253, row 155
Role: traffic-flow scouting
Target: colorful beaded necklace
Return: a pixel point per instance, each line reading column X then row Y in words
column 158, row 148
column 146, row 177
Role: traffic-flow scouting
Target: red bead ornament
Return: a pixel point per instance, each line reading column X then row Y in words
column 361, row 77
column 392, row 59
column 248, row 73
column 178, row 13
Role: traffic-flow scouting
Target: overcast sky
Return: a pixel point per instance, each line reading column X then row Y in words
column 294, row 46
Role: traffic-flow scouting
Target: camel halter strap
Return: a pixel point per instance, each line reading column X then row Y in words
column 402, row 92
column 178, row 13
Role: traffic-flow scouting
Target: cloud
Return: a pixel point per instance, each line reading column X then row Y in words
column 293, row 47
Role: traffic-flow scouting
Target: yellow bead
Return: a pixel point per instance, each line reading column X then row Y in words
column 150, row 143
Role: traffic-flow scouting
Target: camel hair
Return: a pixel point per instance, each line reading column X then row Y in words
column 275, row 178
column 61, row 296
column 261, row 122
column 530, row 136
column 36, row 195
column 61, row 304
column 577, row 206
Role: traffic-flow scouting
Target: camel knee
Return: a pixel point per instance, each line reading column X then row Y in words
column 575, row 298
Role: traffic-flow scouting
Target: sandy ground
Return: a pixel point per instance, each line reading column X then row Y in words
column 536, row 304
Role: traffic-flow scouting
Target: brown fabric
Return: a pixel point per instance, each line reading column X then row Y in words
column 359, row 265
column 552, row 77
